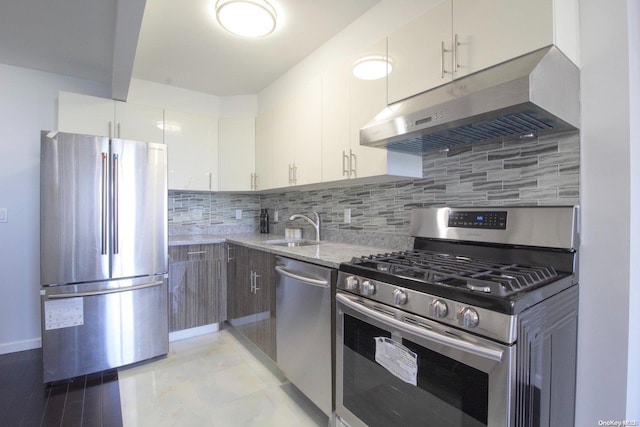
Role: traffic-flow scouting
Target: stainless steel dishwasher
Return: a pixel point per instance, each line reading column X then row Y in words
column 304, row 322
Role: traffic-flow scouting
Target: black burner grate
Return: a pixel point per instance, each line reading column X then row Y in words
column 475, row 274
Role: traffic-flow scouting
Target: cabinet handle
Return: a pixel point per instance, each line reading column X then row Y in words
column 455, row 53
column 345, row 158
column 295, row 174
column 253, row 181
column 353, row 166
column 442, row 52
column 254, row 282
column 210, row 179
column 196, row 252
column 119, row 130
column 229, row 257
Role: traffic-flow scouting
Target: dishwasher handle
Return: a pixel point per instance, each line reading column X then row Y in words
column 307, row 280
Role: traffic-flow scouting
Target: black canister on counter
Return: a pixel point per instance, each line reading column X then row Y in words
column 266, row 221
column 263, row 220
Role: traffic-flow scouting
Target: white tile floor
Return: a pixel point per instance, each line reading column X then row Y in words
column 213, row 380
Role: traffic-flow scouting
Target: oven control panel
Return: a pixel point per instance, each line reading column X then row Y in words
column 492, row 220
column 479, row 320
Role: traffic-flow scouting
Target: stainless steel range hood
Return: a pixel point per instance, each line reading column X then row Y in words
column 534, row 94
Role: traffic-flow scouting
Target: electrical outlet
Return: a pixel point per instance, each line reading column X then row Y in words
column 347, row 216
column 238, row 213
column 4, row 215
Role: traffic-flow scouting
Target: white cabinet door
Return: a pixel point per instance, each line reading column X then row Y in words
column 489, row 32
column 236, row 152
column 459, row 37
column 139, row 122
column 335, row 122
column 348, row 103
column 282, row 143
column 306, row 117
column 92, row 115
column 192, row 142
column 264, row 151
column 367, row 99
column 85, row 114
column 421, row 53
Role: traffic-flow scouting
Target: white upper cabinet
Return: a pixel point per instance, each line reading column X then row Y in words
column 489, row 32
column 459, row 37
column 288, row 140
column 236, row 152
column 348, row 103
column 139, row 122
column 264, row 151
column 336, row 133
column 367, row 98
column 192, row 150
column 105, row 117
column 307, row 133
column 421, row 53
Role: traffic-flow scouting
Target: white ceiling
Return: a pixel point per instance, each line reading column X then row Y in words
column 178, row 42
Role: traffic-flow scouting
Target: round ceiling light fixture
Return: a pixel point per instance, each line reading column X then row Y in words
column 372, row 67
column 246, row 18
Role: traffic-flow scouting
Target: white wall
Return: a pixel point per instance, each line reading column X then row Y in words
column 28, row 104
column 608, row 362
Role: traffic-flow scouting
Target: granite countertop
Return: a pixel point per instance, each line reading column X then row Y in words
column 328, row 254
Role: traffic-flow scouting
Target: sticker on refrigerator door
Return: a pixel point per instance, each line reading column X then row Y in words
column 397, row 359
column 63, row 313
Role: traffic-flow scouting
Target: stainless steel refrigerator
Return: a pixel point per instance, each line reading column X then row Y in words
column 103, row 253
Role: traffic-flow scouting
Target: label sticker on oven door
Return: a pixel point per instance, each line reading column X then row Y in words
column 397, row 359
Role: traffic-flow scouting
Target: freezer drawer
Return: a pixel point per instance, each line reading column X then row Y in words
column 92, row 327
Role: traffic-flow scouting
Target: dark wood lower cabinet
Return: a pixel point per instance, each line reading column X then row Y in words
column 197, row 286
column 251, row 295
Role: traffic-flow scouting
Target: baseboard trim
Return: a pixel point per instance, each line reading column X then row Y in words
column 13, row 347
column 193, row 332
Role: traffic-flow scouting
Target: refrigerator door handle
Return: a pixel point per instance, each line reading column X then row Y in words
column 105, row 291
column 116, row 229
column 105, row 201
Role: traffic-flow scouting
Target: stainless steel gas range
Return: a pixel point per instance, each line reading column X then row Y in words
column 475, row 326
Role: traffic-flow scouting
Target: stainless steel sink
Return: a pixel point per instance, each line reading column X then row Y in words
column 291, row 243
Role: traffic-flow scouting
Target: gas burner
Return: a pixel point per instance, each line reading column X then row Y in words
column 469, row 273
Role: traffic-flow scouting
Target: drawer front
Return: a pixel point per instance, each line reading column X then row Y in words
column 192, row 252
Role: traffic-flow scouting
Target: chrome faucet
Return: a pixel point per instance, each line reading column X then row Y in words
column 316, row 224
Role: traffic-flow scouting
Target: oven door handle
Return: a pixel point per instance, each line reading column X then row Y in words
column 458, row 344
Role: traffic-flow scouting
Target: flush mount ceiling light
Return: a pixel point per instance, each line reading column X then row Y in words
column 372, row 67
column 246, row 18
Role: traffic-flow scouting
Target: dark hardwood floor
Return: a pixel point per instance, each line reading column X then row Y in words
column 89, row 400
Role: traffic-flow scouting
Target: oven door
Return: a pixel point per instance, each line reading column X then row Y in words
column 397, row 369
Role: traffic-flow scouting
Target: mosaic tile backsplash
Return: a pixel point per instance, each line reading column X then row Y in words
column 542, row 171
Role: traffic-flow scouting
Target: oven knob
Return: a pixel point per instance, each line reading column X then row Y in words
column 352, row 283
column 368, row 288
column 399, row 297
column 468, row 317
column 439, row 309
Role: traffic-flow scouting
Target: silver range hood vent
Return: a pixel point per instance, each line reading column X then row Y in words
column 534, row 94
